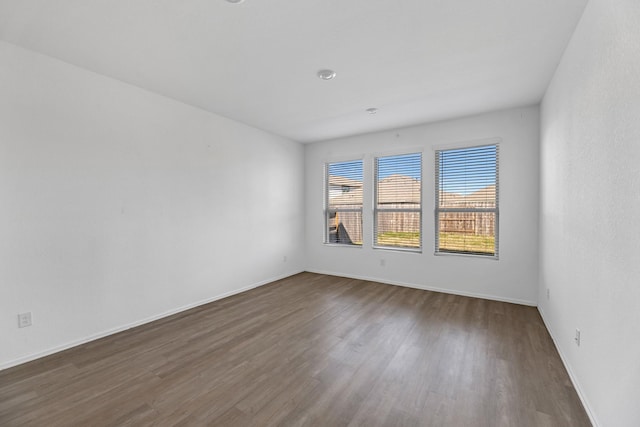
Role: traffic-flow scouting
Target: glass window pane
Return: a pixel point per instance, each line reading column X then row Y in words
column 469, row 232
column 343, row 203
column 344, row 228
column 401, row 229
column 398, row 201
column 466, row 188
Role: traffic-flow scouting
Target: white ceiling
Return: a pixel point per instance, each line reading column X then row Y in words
column 256, row 62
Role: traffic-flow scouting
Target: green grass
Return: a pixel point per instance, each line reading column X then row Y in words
column 405, row 239
column 467, row 243
column 458, row 242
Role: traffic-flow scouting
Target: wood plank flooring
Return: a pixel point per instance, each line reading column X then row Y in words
column 308, row 350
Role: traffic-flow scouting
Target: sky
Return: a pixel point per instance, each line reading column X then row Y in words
column 462, row 171
column 351, row 170
column 408, row 164
column 466, row 170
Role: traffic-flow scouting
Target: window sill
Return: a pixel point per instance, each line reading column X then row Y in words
column 342, row 245
column 394, row 249
column 491, row 257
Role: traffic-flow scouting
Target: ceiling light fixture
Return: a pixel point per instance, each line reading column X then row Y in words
column 326, row 74
column 235, row 1
column 371, row 110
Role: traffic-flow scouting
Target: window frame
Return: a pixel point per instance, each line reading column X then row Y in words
column 437, row 210
column 376, row 210
column 327, row 210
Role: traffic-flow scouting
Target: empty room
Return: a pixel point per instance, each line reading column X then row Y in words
column 320, row 213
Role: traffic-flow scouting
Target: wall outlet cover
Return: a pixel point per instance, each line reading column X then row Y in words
column 24, row 320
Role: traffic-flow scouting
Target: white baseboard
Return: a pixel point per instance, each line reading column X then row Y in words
column 93, row 337
column 572, row 377
column 428, row 288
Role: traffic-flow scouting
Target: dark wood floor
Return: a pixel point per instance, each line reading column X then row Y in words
column 308, row 350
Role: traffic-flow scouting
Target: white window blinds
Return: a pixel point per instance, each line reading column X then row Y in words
column 467, row 200
column 343, row 203
column 398, row 201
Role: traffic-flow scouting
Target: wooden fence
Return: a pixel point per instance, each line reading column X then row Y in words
column 478, row 223
column 352, row 223
column 399, row 222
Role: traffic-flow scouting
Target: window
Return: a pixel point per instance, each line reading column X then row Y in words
column 398, row 205
column 343, row 203
column 467, row 200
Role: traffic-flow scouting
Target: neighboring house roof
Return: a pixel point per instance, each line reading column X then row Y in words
column 351, row 198
column 398, row 189
column 401, row 189
column 485, row 197
column 342, row 181
column 487, row 193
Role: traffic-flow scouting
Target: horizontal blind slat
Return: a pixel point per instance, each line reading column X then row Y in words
column 343, row 202
column 398, row 201
column 466, row 184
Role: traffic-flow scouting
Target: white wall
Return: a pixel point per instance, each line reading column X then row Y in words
column 590, row 210
column 514, row 277
column 118, row 205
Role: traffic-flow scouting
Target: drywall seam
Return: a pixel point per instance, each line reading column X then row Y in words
column 572, row 377
column 428, row 288
column 150, row 319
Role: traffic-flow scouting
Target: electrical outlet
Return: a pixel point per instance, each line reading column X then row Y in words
column 577, row 338
column 24, row 320
column 382, row 262
column 547, row 293
column 284, row 258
